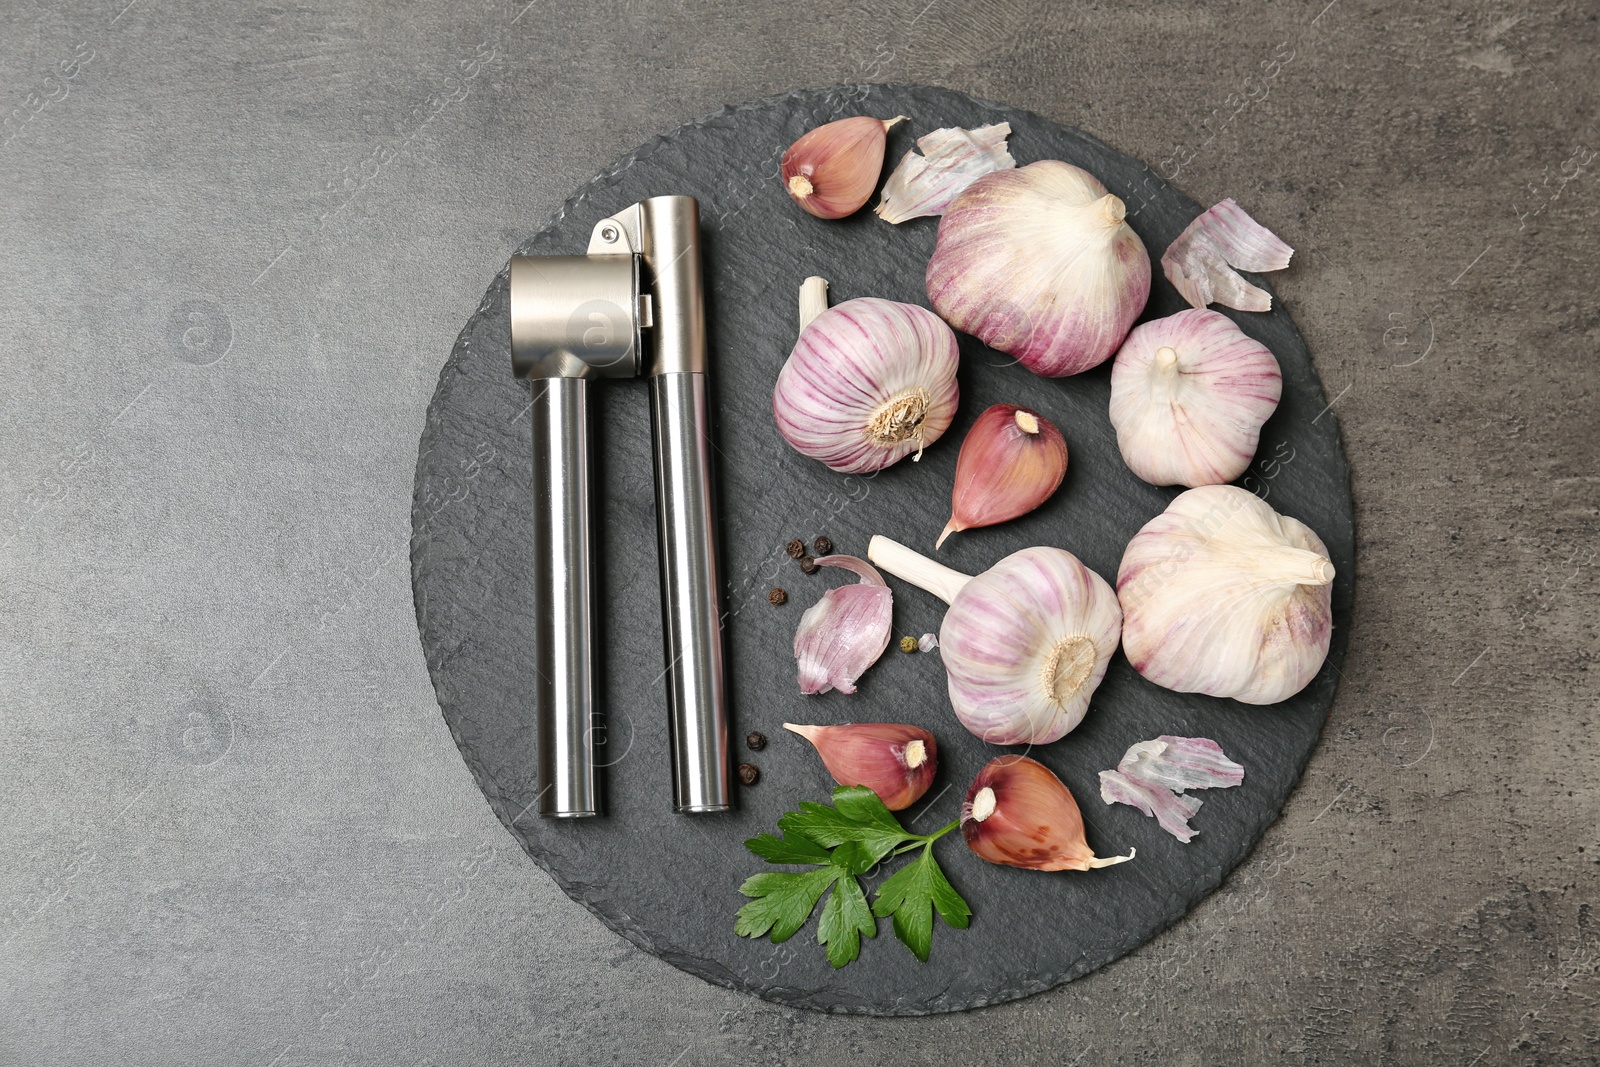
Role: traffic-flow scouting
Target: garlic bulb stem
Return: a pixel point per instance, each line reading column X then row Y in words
column 1285, row 565
column 922, row 572
column 813, row 299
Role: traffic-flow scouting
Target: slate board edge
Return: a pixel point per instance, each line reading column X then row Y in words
column 1182, row 900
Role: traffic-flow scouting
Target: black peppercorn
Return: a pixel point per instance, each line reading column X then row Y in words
column 778, row 597
column 757, row 741
column 749, row 773
column 823, row 546
column 795, row 548
column 808, row 564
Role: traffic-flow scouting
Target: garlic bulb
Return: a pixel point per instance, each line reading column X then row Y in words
column 1037, row 262
column 1222, row 595
column 832, row 170
column 1025, row 643
column 894, row 760
column 1018, row 813
column 869, row 382
column 1189, row 394
column 1011, row 461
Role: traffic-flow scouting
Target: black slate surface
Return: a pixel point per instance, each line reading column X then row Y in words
column 669, row 883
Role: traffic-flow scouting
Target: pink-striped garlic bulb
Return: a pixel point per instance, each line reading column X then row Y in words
column 1222, row 595
column 1025, row 643
column 1037, row 262
column 869, row 382
column 1189, row 394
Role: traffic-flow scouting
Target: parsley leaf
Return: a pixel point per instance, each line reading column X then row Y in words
column 844, row 919
column 858, row 816
column 783, row 902
column 912, row 894
column 792, row 848
column 840, row 843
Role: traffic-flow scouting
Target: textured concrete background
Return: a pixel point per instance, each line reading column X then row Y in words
column 238, row 241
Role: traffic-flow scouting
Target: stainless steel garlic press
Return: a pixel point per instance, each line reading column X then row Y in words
column 633, row 304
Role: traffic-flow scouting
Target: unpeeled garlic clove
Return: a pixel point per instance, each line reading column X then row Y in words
column 894, row 760
column 1018, row 813
column 1222, row 595
column 1189, row 394
column 1039, row 263
column 845, row 632
column 1011, row 461
column 832, row 170
column 1200, row 262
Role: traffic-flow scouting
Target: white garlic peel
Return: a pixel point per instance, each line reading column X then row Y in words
column 1038, row 262
column 1222, row 595
column 869, row 382
column 1200, row 262
column 1025, row 643
column 951, row 160
column 1189, row 394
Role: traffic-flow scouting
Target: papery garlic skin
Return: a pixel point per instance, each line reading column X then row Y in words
column 1180, row 763
column 1189, row 394
column 1037, row 262
column 1019, row 814
column 1224, row 596
column 845, row 632
column 1200, row 262
column 1012, row 460
column 831, row 170
column 1025, row 643
column 1171, row 810
column 897, row 761
column 869, row 382
column 951, row 160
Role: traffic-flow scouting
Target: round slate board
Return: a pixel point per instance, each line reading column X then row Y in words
column 668, row 882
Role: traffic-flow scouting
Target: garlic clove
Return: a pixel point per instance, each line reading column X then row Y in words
column 845, row 632
column 1018, row 813
column 1011, row 461
column 869, row 382
column 1171, row 810
column 1189, row 394
column 951, row 160
column 1038, row 262
column 1200, row 263
column 1222, row 595
column 1025, row 644
column 894, row 760
column 1180, row 763
column 832, row 170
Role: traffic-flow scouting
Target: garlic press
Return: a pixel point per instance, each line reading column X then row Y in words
column 632, row 305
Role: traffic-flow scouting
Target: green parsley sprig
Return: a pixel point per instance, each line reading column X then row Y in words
column 839, row 844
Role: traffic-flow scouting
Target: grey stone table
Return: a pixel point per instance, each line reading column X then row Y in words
column 238, row 244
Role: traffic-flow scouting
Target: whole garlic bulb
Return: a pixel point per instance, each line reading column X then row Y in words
column 1025, row 643
column 1037, row 262
column 1189, row 394
column 869, row 382
column 1222, row 595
